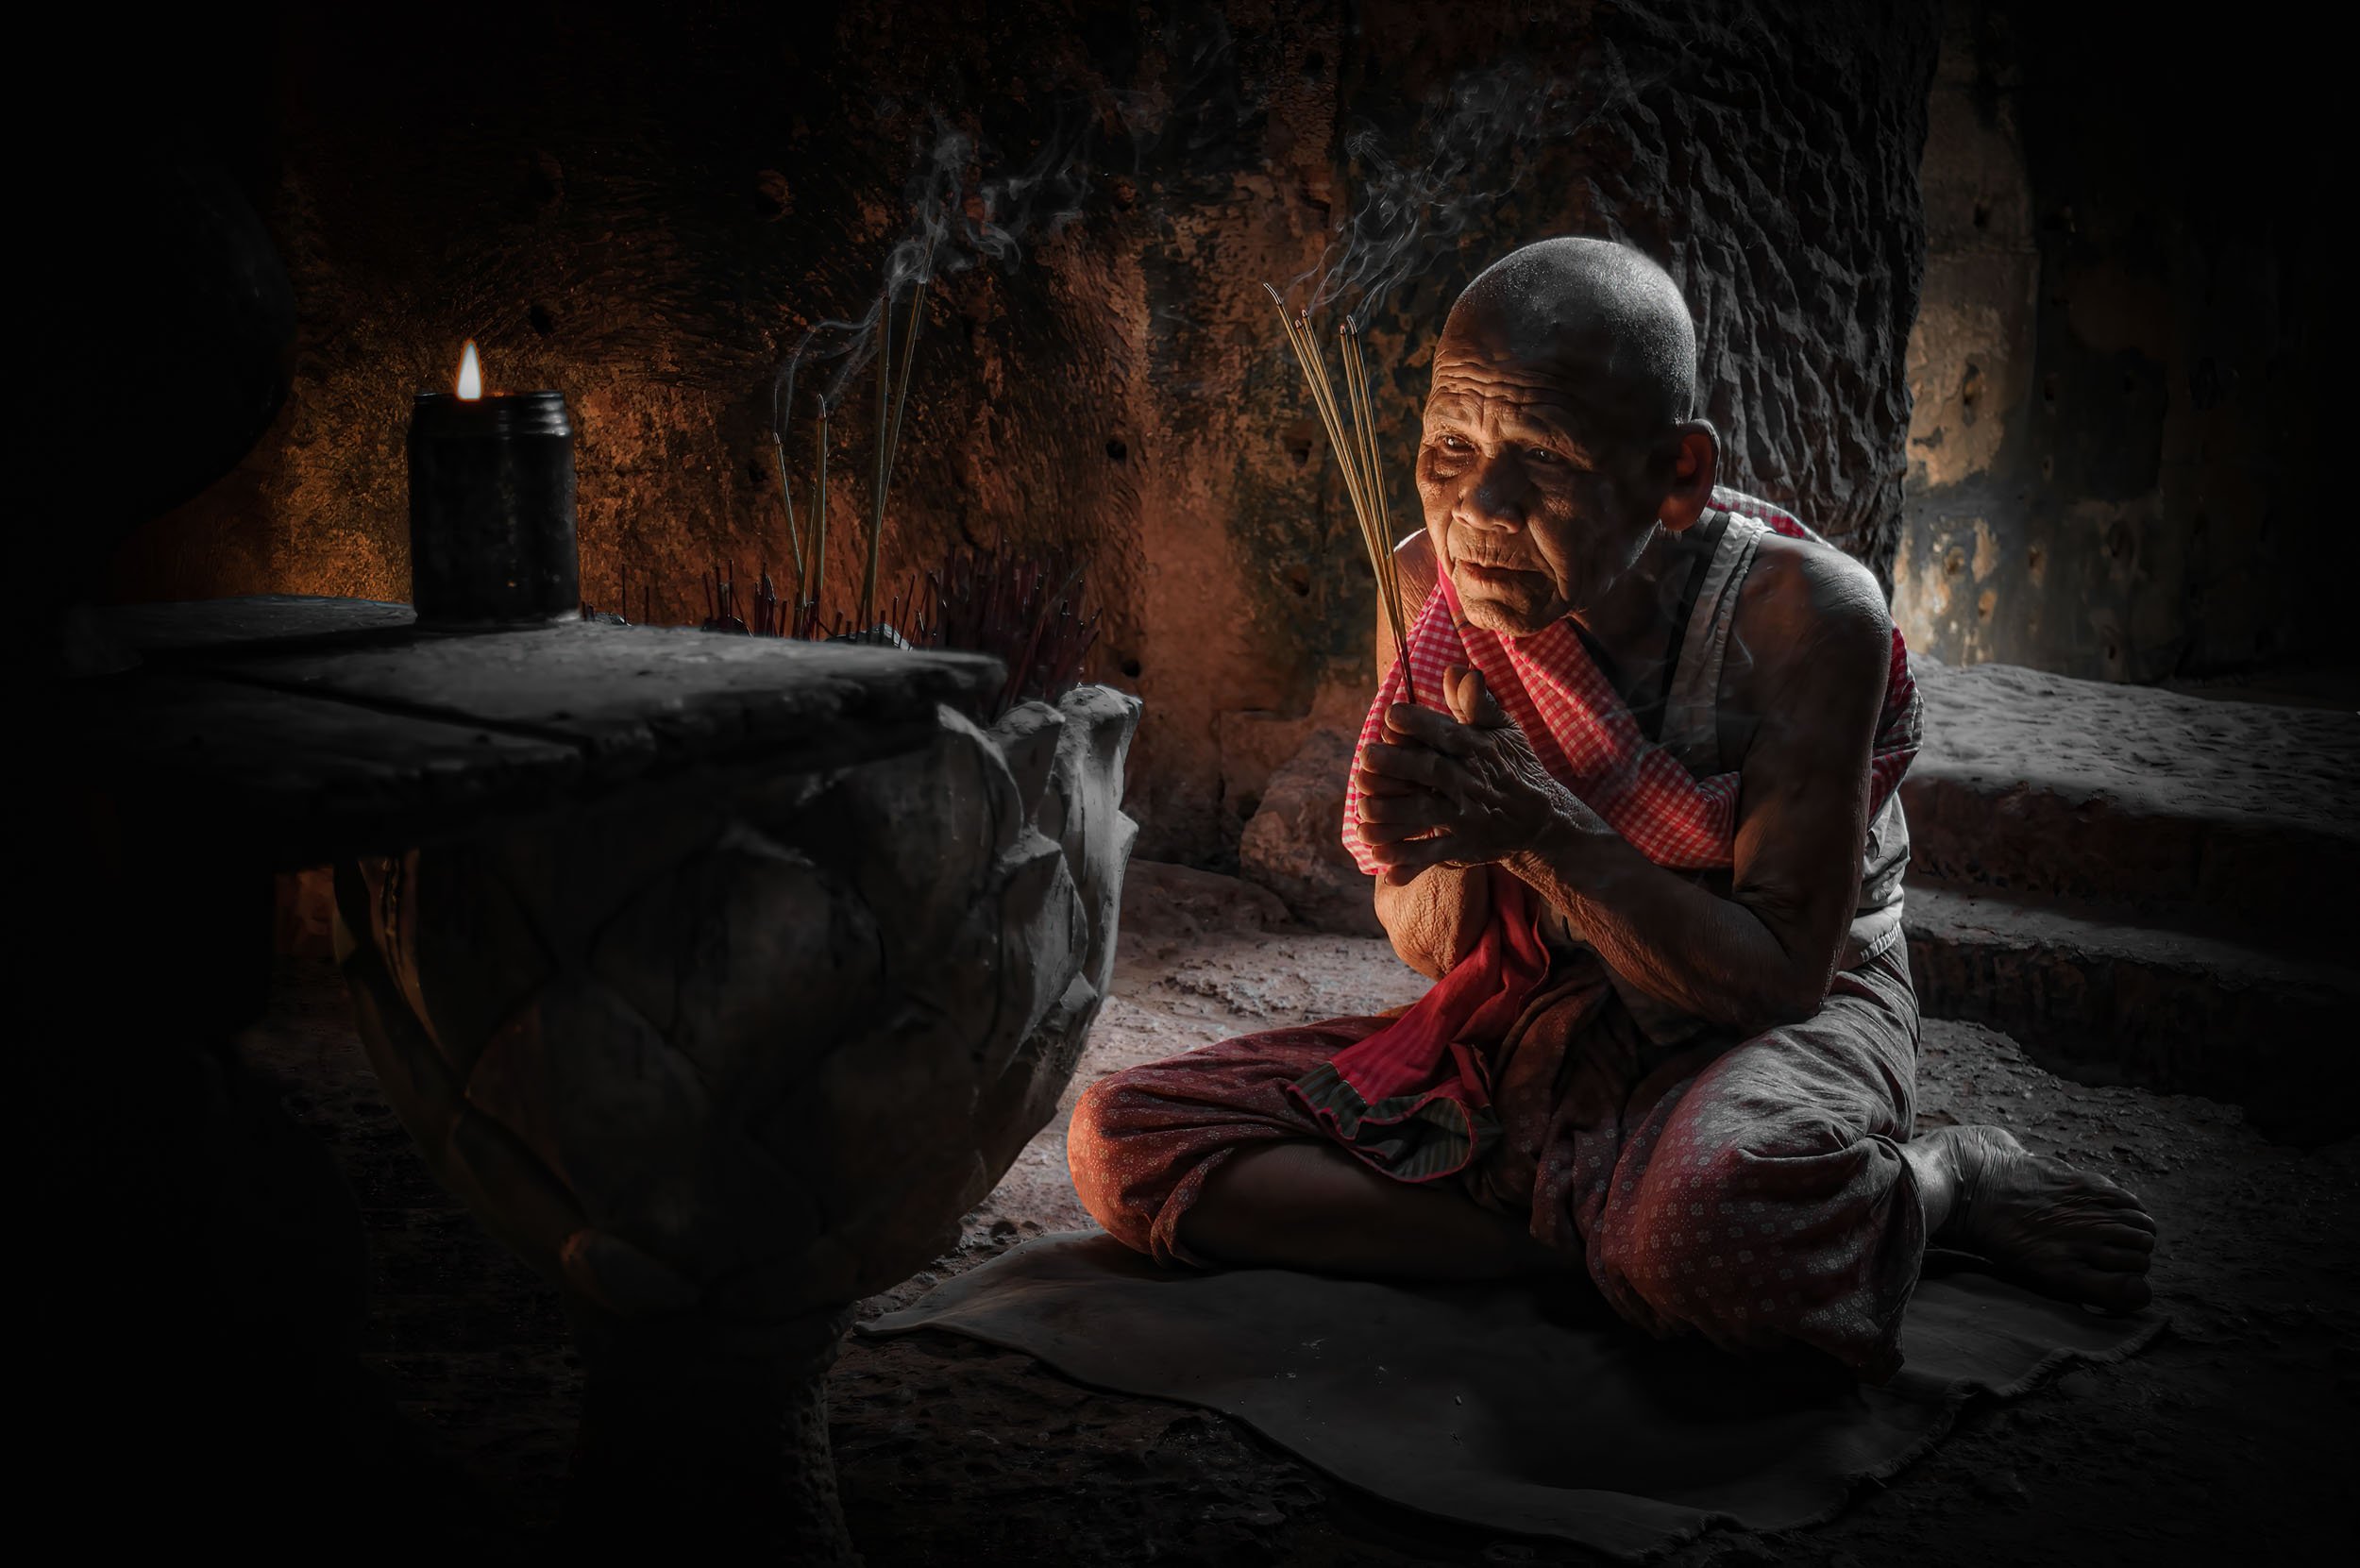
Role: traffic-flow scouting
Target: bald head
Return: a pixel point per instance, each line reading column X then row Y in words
column 1558, row 442
column 1598, row 317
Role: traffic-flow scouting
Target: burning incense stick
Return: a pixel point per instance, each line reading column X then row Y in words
column 1372, row 471
column 877, row 486
column 786, row 496
column 1375, row 470
column 909, row 357
column 819, row 514
column 888, row 432
column 1352, row 435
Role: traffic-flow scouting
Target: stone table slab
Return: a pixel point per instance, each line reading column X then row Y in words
column 318, row 727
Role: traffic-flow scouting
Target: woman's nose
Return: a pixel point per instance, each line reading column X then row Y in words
column 1499, row 495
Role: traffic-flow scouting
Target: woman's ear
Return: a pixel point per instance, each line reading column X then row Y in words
column 1692, row 465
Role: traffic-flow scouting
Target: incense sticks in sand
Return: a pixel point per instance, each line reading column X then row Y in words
column 811, row 562
column 1352, row 431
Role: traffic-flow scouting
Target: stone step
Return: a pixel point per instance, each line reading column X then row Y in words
column 2106, row 1001
column 2240, row 818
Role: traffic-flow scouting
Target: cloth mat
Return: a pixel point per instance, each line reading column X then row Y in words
column 1517, row 1408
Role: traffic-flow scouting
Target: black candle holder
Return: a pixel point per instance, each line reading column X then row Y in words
column 492, row 511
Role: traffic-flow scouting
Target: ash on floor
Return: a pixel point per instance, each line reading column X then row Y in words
column 2225, row 1442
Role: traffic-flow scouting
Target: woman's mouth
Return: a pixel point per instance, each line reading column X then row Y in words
column 1485, row 571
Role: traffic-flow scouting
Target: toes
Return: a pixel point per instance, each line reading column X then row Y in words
column 2077, row 1222
column 2090, row 1186
column 2124, row 1201
column 2128, row 1212
column 2073, row 1183
column 2096, row 1199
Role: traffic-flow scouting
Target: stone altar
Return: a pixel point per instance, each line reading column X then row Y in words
column 719, row 975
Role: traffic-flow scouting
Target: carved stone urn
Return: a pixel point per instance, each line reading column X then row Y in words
column 723, row 1063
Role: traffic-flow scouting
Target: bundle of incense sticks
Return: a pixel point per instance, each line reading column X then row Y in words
column 1353, row 434
column 808, row 559
column 811, row 563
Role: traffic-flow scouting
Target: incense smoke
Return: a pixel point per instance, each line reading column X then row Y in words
column 953, row 226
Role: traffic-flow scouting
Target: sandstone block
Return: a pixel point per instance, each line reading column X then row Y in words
column 1163, row 900
column 1294, row 844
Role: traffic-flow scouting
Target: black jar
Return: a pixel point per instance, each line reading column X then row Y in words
column 492, row 511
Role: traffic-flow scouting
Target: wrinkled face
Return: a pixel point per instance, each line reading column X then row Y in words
column 1535, row 503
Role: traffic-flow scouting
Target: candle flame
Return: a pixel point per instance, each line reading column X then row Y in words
column 470, row 375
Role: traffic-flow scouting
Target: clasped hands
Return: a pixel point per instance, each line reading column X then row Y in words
column 1458, row 790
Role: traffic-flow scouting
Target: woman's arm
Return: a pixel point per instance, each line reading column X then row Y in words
column 1757, row 959
column 1436, row 919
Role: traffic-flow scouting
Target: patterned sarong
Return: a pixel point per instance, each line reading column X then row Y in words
column 1414, row 1099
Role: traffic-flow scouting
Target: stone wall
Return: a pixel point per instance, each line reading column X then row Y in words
column 2119, row 362
column 647, row 214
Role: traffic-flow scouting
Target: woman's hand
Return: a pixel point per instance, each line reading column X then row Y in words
column 1465, row 790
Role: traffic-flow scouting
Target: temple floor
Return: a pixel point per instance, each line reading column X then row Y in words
column 2224, row 1442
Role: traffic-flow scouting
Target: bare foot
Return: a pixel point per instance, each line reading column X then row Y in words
column 2065, row 1233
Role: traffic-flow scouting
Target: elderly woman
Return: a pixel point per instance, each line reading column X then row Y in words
column 1640, row 826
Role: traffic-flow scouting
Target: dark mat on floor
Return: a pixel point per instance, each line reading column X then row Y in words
column 1519, row 1409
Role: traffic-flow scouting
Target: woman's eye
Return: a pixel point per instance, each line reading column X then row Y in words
column 1542, row 455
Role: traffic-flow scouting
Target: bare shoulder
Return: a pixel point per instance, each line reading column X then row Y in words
column 1814, row 624
column 1799, row 591
column 1414, row 558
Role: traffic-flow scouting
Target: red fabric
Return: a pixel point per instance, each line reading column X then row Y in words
column 1754, row 1194
column 1585, row 736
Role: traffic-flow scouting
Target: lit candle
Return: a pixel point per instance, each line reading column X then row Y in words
column 492, row 506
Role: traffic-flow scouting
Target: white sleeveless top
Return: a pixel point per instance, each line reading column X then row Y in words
column 1691, row 734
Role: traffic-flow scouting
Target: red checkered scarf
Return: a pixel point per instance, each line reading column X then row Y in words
column 1424, row 1074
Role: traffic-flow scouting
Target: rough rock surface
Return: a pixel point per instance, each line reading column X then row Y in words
column 1294, row 844
column 2236, row 812
column 1163, row 900
column 2140, row 884
column 2109, row 1001
column 2121, row 444
column 647, row 216
column 2223, row 1443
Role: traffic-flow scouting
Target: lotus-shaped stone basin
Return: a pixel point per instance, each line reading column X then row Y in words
column 723, row 1061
